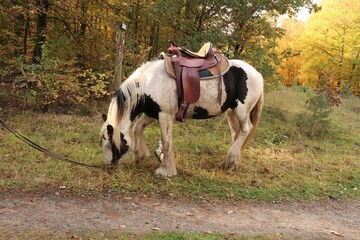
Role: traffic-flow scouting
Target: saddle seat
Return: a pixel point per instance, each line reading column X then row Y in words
column 184, row 66
column 202, row 53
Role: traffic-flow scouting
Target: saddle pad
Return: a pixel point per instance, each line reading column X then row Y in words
column 224, row 67
column 168, row 64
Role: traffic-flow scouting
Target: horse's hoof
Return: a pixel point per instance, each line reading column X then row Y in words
column 139, row 158
column 162, row 172
column 226, row 165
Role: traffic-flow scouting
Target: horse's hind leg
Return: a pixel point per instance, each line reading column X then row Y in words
column 240, row 126
column 141, row 151
column 167, row 166
column 233, row 124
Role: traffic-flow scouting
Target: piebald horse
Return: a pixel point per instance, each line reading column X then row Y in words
column 151, row 94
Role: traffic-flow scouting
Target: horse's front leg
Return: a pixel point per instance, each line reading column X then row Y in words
column 141, row 150
column 167, row 166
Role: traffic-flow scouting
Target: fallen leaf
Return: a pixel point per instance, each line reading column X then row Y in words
column 336, row 233
column 134, row 205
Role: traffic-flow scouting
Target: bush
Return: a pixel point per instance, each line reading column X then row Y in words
column 315, row 123
column 57, row 82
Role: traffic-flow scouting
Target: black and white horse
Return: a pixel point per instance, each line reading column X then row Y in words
column 151, row 94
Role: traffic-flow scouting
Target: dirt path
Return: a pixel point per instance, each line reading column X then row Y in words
column 332, row 219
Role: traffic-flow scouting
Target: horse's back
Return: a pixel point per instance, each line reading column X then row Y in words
column 252, row 74
column 254, row 79
column 162, row 89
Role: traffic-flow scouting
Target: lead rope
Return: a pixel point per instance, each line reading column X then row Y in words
column 47, row 152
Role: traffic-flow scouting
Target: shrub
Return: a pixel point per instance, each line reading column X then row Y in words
column 58, row 82
column 315, row 123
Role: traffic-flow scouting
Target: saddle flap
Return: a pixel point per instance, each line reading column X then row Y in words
column 191, row 85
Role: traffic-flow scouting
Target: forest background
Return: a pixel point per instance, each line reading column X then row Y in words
column 63, row 52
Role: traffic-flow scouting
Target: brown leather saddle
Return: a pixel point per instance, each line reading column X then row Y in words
column 186, row 67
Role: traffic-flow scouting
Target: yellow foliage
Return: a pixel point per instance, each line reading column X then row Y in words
column 331, row 45
column 326, row 50
column 289, row 51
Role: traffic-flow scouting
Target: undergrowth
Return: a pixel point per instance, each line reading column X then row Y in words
column 283, row 162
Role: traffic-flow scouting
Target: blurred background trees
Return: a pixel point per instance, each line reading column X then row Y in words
column 64, row 51
column 324, row 52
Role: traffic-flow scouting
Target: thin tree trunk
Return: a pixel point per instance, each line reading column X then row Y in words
column 154, row 39
column 82, row 31
column 26, row 30
column 42, row 7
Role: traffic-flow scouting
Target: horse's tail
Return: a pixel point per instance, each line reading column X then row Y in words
column 254, row 118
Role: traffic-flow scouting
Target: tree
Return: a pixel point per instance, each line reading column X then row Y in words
column 289, row 51
column 71, row 39
column 42, row 8
column 240, row 29
column 331, row 46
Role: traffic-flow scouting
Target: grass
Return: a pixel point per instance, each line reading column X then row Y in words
column 282, row 163
column 44, row 235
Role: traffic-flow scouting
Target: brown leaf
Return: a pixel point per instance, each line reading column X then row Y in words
column 336, row 233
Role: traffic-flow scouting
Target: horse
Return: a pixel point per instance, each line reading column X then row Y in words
column 149, row 94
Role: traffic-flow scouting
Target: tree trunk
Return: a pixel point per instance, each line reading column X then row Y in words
column 42, row 7
column 120, row 42
column 83, row 26
column 27, row 29
column 154, row 39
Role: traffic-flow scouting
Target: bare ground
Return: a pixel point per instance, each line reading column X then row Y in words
column 326, row 219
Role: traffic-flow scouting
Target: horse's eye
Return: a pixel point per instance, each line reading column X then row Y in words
column 103, row 137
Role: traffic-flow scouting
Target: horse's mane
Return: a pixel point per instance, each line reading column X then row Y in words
column 128, row 94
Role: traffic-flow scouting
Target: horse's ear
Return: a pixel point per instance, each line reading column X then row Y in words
column 104, row 117
column 110, row 130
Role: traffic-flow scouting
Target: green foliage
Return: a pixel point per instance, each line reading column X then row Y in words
column 56, row 81
column 94, row 85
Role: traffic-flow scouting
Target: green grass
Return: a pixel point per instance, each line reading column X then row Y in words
column 282, row 163
column 50, row 235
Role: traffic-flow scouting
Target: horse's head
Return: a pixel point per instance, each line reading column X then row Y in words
column 113, row 142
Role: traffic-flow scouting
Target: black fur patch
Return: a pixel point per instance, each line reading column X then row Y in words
column 124, row 146
column 201, row 113
column 235, row 81
column 116, row 154
column 146, row 105
column 120, row 100
column 104, row 117
column 115, row 151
